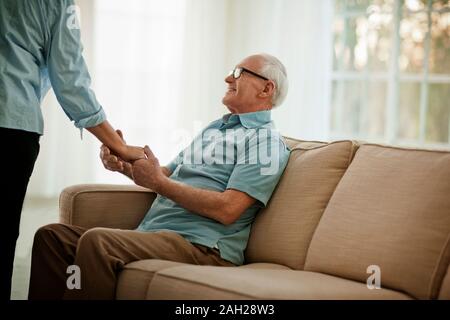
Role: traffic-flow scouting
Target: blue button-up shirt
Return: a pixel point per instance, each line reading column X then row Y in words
column 40, row 47
column 239, row 151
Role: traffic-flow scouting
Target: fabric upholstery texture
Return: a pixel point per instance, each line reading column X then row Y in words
column 136, row 277
column 205, row 282
column 281, row 233
column 103, row 205
column 390, row 209
column 444, row 293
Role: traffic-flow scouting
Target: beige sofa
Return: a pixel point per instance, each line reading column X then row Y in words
column 339, row 208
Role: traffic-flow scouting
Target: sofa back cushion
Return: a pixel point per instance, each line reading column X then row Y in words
column 281, row 233
column 390, row 209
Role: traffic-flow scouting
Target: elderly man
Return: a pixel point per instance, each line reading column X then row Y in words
column 207, row 197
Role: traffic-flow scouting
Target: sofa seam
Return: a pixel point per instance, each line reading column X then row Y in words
column 206, row 285
column 138, row 269
column 300, row 141
column 349, row 161
column 433, row 293
column 322, row 146
column 405, row 148
column 143, row 272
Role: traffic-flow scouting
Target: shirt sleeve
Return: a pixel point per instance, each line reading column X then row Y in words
column 67, row 69
column 260, row 167
column 175, row 162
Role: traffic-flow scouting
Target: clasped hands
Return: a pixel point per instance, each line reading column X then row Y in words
column 144, row 172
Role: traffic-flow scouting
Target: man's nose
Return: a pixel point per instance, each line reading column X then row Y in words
column 229, row 78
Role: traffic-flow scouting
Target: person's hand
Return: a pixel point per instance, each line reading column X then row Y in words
column 132, row 153
column 113, row 162
column 147, row 172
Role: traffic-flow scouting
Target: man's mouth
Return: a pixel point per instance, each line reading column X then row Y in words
column 231, row 90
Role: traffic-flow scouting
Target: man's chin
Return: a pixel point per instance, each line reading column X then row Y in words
column 228, row 106
column 226, row 101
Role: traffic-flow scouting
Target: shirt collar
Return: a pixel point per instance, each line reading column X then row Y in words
column 248, row 120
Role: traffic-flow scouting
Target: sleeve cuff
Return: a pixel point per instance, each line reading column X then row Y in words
column 171, row 166
column 252, row 192
column 91, row 120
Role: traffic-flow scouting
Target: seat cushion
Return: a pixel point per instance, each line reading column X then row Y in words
column 281, row 233
column 224, row 283
column 444, row 293
column 391, row 209
column 134, row 279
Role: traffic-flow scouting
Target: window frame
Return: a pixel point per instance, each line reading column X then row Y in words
column 393, row 77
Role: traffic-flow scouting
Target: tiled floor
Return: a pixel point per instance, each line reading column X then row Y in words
column 35, row 213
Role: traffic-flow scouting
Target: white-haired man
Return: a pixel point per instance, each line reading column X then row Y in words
column 207, row 198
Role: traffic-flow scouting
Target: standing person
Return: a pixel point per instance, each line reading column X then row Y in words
column 39, row 48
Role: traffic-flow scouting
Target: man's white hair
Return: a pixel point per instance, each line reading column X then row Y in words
column 274, row 70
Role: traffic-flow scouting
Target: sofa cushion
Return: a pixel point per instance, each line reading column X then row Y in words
column 291, row 142
column 302, row 144
column 281, row 233
column 390, row 209
column 134, row 279
column 223, row 283
column 104, row 205
column 444, row 293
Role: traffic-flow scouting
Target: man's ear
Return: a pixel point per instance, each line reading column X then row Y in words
column 268, row 90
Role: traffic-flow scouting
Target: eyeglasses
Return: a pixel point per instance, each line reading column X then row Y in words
column 236, row 73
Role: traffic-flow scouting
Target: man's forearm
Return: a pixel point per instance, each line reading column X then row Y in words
column 225, row 207
column 166, row 171
column 207, row 203
column 129, row 173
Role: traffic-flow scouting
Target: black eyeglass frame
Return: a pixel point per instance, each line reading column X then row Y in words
column 241, row 69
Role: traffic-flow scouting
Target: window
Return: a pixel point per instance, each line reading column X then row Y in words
column 391, row 71
column 138, row 60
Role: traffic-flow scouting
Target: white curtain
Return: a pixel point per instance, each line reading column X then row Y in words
column 299, row 34
column 159, row 67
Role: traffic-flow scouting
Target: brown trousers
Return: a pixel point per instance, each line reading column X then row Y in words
column 101, row 253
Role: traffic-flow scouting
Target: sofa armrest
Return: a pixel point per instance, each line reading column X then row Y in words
column 104, row 205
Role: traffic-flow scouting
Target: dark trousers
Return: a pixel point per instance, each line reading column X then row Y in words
column 19, row 152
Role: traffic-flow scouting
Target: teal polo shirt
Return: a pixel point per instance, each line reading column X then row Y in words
column 239, row 151
column 40, row 48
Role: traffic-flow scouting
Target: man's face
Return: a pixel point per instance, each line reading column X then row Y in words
column 243, row 94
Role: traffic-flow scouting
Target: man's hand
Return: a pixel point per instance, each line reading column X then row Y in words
column 147, row 172
column 114, row 163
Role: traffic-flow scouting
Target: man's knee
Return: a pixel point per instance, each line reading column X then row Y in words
column 93, row 238
column 47, row 231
